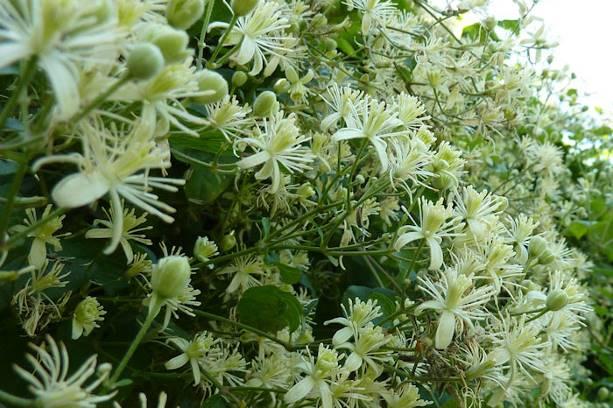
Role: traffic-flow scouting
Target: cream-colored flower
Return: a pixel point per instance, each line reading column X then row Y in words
column 86, row 317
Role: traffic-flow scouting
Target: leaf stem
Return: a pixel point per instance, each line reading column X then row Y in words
column 225, row 34
column 24, row 80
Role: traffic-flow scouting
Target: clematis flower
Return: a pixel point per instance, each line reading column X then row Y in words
column 260, row 34
column 457, row 300
column 63, row 37
column 86, row 317
column 192, row 352
column 280, row 143
column 116, row 163
column 434, row 224
column 51, row 385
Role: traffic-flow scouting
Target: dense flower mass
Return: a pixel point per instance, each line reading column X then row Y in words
column 307, row 203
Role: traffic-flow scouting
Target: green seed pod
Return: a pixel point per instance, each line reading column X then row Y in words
column 243, row 7
column 264, row 103
column 537, row 247
column 211, row 81
column 170, row 277
column 145, row 61
column 239, row 79
column 556, row 300
column 184, row 13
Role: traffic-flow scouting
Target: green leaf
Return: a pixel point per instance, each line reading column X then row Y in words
column 289, row 274
column 578, row 229
column 270, row 309
column 204, row 185
column 216, row 401
column 511, row 25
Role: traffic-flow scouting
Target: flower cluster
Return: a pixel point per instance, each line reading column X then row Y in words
column 380, row 203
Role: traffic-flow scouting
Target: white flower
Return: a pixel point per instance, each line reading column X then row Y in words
column 51, row 384
column 86, row 317
column 260, row 34
column 360, row 314
column 366, row 348
column 279, row 144
column 63, row 37
column 479, row 210
column 245, row 271
column 458, row 302
column 193, row 352
column 374, row 12
column 42, row 235
column 433, row 226
column 131, row 230
column 116, row 163
column 316, row 383
column 374, row 121
column 406, row 396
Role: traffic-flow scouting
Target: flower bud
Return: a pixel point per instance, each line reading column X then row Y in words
column 184, row 13
column 211, row 81
column 603, row 393
column 228, row 241
column 243, row 7
column 264, row 103
column 172, row 42
column 170, row 276
column 239, row 78
column 204, row 249
column 556, row 300
column 282, row 85
column 145, row 61
column 536, row 247
column 329, row 44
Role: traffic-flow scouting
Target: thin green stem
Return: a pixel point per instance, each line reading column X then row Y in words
column 10, row 198
column 15, row 401
column 100, row 99
column 252, row 329
column 25, row 78
column 225, row 34
column 133, row 346
column 203, row 31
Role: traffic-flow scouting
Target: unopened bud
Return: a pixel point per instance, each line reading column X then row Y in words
column 184, row 13
column 536, row 247
column 170, row 276
column 329, row 44
column 214, row 83
column 239, row 78
column 281, row 86
column 243, row 7
column 603, row 393
column 172, row 42
column 556, row 300
column 145, row 61
column 264, row 103
column 228, row 241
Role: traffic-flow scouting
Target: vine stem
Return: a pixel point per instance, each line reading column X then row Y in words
column 24, row 80
column 259, row 332
column 10, row 199
column 219, row 45
column 133, row 346
column 100, row 98
column 205, row 27
column 15, row 401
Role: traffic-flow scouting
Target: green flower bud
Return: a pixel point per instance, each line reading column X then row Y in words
column 243, row 7
column 172, row 42
column 282, row 85
column 239, row 78
column 603, row 393
column 228, row 241
column 536, row 247
column 556, row 300
column 264, row 103
column 170, row 277
column 145, row 61
column 204, row 249
column 184, row 13
column 329, row 44
column 211, row 81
